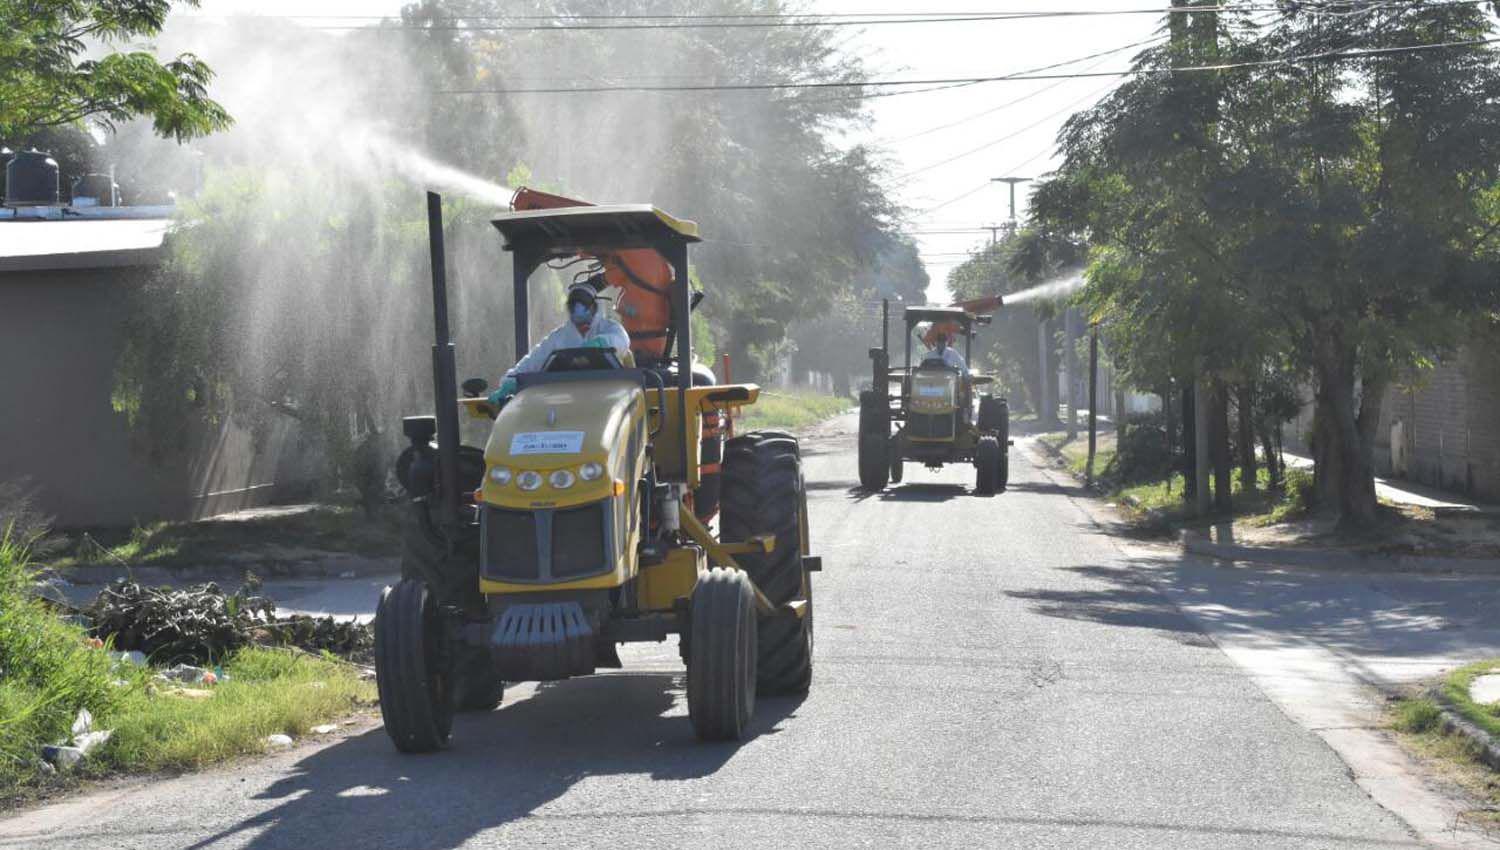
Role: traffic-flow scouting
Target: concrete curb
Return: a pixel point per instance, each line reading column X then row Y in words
column 1335, row 560
column 1062, row 465
column 1453, row 723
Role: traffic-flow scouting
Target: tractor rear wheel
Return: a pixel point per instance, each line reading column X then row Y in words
column 764, row 494
column 721, row 655
column 411, row 668
column 987, row 458
column 874, row 463
column 476, row 686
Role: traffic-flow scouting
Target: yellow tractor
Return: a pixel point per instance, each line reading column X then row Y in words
column 934, row 412
column 574, row 528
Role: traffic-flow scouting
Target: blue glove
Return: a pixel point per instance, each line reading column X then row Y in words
column 597, row 342
column 506, row 390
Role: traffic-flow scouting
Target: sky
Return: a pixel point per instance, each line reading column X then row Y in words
column 1002, row 129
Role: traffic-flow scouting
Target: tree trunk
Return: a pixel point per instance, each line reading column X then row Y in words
column 1169, row 419
column 1327, row 462
column 1348, row 430
column 1189, row 443
column 1169, row 422
column 1218, row 446
column 1246, row 402
column 1266, row 430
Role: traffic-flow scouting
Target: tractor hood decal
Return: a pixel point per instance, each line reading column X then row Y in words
column 546, row 443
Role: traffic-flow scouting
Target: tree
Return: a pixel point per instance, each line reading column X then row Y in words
column 1331, row 219
column 45, row 82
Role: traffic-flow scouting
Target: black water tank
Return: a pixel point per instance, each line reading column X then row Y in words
column 31, row 180
column 96, row 190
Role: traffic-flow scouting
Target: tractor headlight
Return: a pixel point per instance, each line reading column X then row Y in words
column 590, row 471
column 529, row 480
column 500, row 475
column 561, row 479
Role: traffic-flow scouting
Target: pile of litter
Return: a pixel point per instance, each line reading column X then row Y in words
column 202, row 624
column 82, row 740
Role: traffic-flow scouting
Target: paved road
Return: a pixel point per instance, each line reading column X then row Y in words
column 990, row 672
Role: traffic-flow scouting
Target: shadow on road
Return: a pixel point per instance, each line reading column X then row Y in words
column 1121, row 599
column 1379, row 618
column 501, row 767
column 923, row 492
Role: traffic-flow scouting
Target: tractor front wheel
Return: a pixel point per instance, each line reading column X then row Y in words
column 987, row 460
column 411, row 668
column 721, row 655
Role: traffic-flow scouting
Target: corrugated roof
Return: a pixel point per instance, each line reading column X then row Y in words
column 81, row 243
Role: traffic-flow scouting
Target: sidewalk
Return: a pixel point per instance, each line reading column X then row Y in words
column 1329, row 647
column 1440, row 502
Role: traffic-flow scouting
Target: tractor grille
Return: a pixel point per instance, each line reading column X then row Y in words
column 578, row 547
column 928, row 426
column 510, row 545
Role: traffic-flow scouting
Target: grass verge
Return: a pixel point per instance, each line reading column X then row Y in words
column 791, row 409
column 1454, row 757
column 1456, row 690
column 1159, row 503
column 48, row 671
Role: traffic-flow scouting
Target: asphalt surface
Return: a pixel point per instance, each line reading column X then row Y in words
column 989, row 672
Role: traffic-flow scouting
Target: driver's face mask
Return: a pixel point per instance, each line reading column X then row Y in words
column 580, row 313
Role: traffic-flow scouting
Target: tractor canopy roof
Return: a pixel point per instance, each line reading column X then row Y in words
column 593, row 229
column 942, row 315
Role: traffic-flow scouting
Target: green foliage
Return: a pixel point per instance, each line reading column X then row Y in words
column 1295, row 219
column 45, row 81
column 1456, row 690
column 1417, row 716
column 791, row 409
column 47, row 673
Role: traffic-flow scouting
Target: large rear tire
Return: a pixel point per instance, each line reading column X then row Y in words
column 874, row 441
column 476, row 685
column 764, row 494
column 721, row 655
column 987, row 457
column 411, row 674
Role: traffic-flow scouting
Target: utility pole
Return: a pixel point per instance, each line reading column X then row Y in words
column 994, row 230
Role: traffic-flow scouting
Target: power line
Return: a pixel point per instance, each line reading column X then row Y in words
column 1007, row 137
column 938, row 81
column 654, row 22
column 554, row 23
column 1102, row 55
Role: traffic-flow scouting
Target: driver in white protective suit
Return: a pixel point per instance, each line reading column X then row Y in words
column 585, row 328
column 941, row 351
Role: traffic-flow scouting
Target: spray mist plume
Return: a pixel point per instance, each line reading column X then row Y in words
column 1060, row 287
